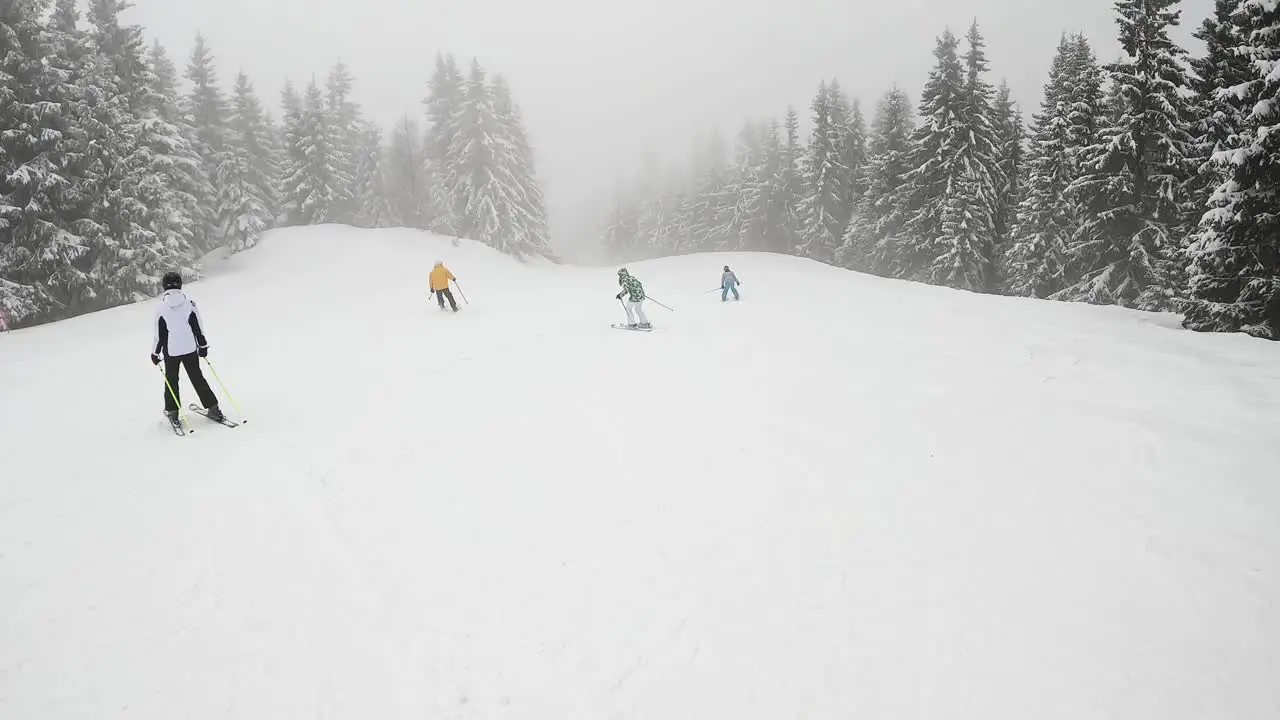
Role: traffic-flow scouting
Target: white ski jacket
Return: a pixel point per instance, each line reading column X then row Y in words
column 178, row 329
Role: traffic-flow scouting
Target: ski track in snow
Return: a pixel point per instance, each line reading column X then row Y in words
column 840, row 497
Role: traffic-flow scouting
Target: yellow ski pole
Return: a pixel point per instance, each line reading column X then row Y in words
column 181, row 413
column 224, row 390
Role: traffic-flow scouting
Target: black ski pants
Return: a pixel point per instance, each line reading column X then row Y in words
column 446, row 293
column 192, row 364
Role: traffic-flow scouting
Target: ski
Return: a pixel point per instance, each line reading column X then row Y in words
column 635, row 329
column 201, row 411
column 176, row 426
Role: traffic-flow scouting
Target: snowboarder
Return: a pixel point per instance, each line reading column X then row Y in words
column 729, row 284
column 178, row 337
column 634, row 291
column 440, row 277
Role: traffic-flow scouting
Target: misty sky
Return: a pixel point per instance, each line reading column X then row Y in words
column 598, row 81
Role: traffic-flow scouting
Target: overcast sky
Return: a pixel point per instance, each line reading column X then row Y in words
column 600, row 80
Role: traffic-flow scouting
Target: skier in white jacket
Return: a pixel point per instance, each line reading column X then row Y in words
column 178, row 337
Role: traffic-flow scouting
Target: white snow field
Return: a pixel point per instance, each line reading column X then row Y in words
column 843, row 497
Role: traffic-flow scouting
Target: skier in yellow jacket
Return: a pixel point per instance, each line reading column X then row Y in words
column 440, row 277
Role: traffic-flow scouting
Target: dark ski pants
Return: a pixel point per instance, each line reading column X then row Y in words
column 446, row 293
column 192, row 364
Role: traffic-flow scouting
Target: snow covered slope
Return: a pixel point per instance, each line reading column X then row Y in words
column 843, row 497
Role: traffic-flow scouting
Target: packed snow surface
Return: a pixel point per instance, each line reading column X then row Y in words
column 842, row 497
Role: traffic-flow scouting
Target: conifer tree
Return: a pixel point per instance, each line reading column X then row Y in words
column 771, row 188
column 292, row 158
column 936, row 165
column 407, row 179
column 37, row 254
column 821, row 207
column 83, row 133
column 702, row 215
column 1088, row 111
column 444, row 105
column 207, row 104
column 658, row 201
column 1046, row 217
column 845, row 180
column 317, row 184
column 770, row 183
column 854, row 160
column 1220, row 112
column 679, row 235
column 373, row 209
column 981, row 155
column 868, row 244
column 1235, row 260
column 247, row 173
column 745, row 222
column 274, row 151
column 69, row 41
column 480, row 191
column 189, row 179
column 1011, row 135
column 1127, row 251
column 120, row 45
column 106, row 111
column 529, row 211
column 147, row 228
column 1073, row 114
column 964, row 240
column 348, row 135
column 790, row 194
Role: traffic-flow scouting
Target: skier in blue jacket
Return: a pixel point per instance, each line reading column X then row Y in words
column 729, row 284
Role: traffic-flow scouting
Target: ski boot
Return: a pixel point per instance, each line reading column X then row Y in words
column 171, row 416
column 645, row 326
column 215, row 413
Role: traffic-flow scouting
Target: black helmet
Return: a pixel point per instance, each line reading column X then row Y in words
column 171, row 281
column 726, row 268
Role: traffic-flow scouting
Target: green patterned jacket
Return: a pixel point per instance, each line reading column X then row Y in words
column 632, row 287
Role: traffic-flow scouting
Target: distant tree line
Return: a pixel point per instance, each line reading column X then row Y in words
column 1151, row 182
column 110, row 174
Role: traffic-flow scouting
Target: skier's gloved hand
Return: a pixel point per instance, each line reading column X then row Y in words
column 155, row 359
column 619, row 297
column 204, row 351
